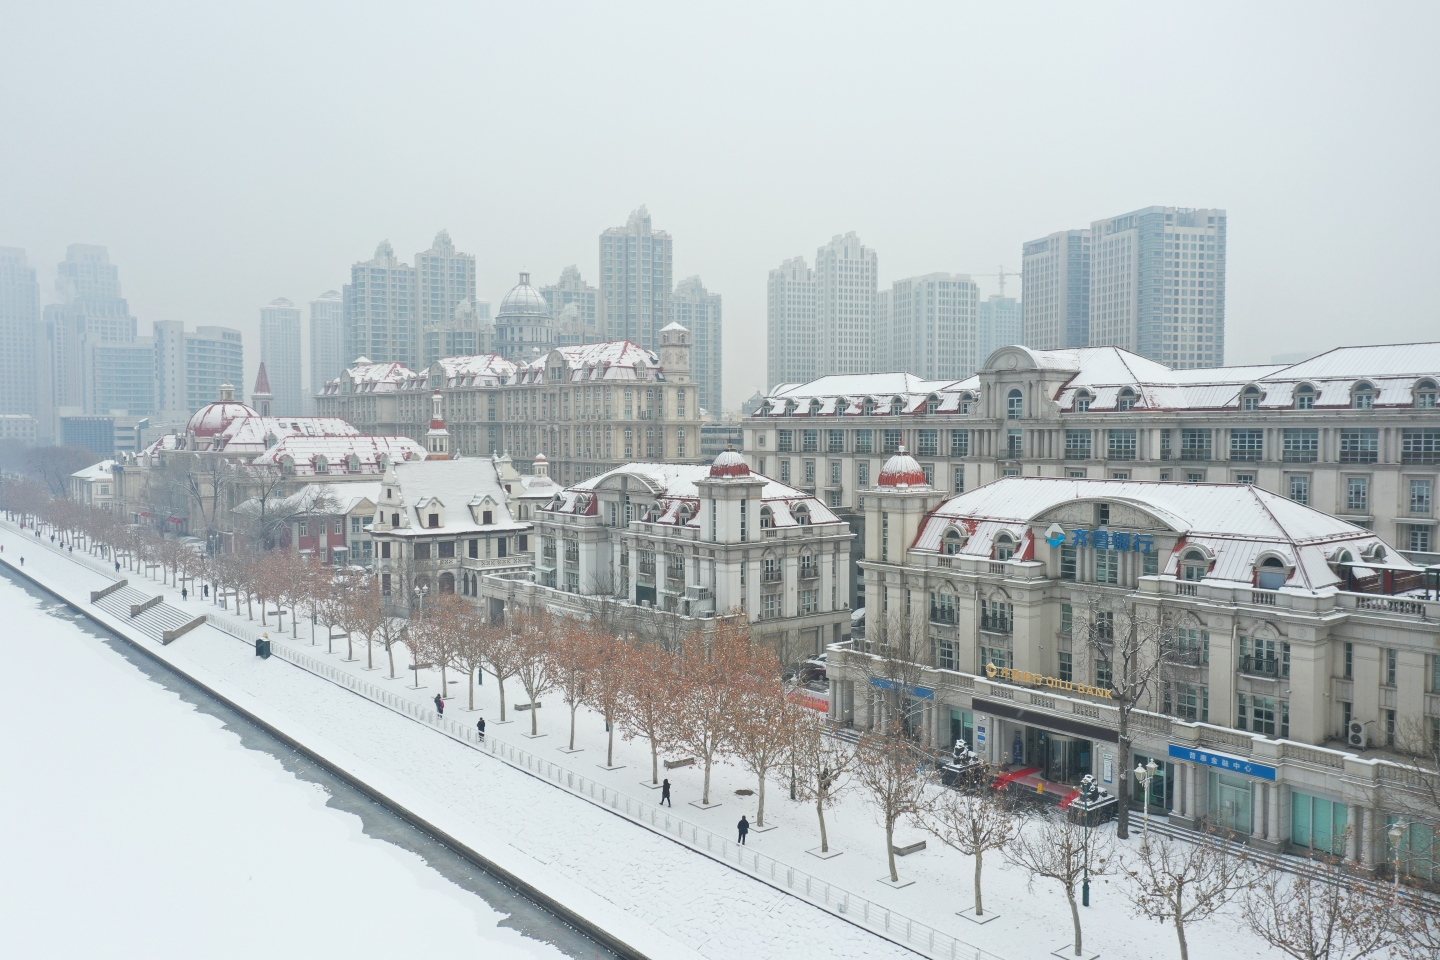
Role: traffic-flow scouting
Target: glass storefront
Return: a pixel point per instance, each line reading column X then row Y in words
column 1060, row 758
column 962, row 727
column 1230, row 800
column 1318, row 824
column 1419, row 852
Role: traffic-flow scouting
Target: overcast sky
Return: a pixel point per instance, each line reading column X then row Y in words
column 228, row 154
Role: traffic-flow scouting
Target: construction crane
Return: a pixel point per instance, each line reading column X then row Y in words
column 1001, row 276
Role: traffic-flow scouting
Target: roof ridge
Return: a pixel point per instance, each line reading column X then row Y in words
column 1284, row 534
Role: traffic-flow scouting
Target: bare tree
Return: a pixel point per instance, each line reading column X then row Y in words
column 436, row 637
column 532, row 634
column 470, row 652
column 1328, row 916
column 1131, row 645
column 569, row 653
column 821, row 764
column 647, row 694
column 972, row 822
column 1068, row 853
column 608, row 664
column 898, row 652
column 1418, row 923
column 1186, row 882
column 895, row 774
column 274, row 505
column 499, row 653
column 764, row 730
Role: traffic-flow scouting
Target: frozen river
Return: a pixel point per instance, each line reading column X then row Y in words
column 142, row 819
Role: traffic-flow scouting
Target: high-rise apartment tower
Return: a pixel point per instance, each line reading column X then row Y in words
column 280, row 353
column 635, row 280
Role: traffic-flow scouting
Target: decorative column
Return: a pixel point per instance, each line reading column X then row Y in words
column 1257, row 813
column 1368, row 834
column 1272, row 829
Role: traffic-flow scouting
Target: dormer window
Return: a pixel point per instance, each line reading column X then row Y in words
column 932, row 405
column 434, row 522
column 767, row 518
column 802, row 515
column 1004, row 547
column 897, row 404
column 1250, row 400
column 952, row 542
column 1426, row 395
column 967, row 403
column 487, row 517
column 287, row 466
column 1193, row 566
column 1271, row 573
column 1014, row 405
column 1082, row 402
column 1126, row 400
column 1363, row 398
column 353, row 464
column 869, row 406
column 322, row 465
column 1305, row 397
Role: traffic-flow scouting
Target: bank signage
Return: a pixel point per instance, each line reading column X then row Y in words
column 1119, row 540
column 1025, row 676
column 919, row 693
column 1222, row 761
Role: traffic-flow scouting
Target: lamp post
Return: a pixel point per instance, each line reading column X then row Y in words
column 1396, row 834
column 1143, row 775
column 421, row 590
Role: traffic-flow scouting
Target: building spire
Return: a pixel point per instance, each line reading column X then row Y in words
column 261, row 395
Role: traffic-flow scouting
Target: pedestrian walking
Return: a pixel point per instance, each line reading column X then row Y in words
column 439, row 704
column 117, row 566
column 744, row 827
column 207, row 591
column 184, row 593
column 22, row 561
column 480, row 725
column 665, row 793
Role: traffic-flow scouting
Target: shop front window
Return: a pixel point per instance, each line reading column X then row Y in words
column 1318, row 824
column 1161, row 800
column 1230, row 802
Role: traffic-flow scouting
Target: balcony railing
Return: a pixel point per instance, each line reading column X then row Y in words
column 1260, row 666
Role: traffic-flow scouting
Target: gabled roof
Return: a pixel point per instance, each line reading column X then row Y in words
column 459, row 484
column 305, row 451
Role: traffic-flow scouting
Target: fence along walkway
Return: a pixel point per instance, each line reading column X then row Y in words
column 855, row 909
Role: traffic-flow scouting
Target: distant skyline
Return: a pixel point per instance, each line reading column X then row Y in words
column 229, row 160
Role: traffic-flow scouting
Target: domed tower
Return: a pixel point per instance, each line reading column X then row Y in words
column 437, row 440
column 730, row 500
column 523, row 323
column 675, row 353
column 896, row 507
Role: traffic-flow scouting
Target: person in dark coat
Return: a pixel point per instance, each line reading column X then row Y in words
column 744, row 827
column 184, row 593
column 480, row 726
column 665, row 793
column 117, row 566
column 207, row 591
column 439, row 704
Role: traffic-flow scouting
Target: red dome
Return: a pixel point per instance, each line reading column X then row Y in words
column 213, row 418
column 729, row 464
column 901, row 470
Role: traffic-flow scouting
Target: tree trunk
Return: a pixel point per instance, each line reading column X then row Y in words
column 760, row 806
column 534, row 721
column 501, row 684
column 349, row 646
column 979, row 907
column 1122, row 813
column 1074, row 917
column 472, row 688
column 390, row 653
column 370, row 654
column 573, row 708
column 609, row 742
column 890, row 848
column 824, row 837
column 1180, row 932
column 705, row 795
column 654, row 762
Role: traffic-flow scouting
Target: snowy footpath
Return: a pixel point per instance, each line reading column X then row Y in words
column 669, row 882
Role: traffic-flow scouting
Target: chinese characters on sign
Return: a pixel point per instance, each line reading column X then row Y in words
column 1119, row 540
column 1222, row 761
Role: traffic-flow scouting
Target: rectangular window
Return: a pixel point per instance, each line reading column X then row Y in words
column 1195, row 444
column 304, row 528
column 809, row 601
column 1318, row 824
column 1014, row 443
column 1301, row 445
column 446, row 550
column 1421, row 499
column 1359, row 446
column 835, row 441
column 785, row 441
column 770, row 606
column 1067, row 619
column 810, row 472
column 1102, row 673
column 999, row 656
column 474, row 549
column 959, row 443
column 928, row 443
column 1391, row 666
column 1349, row 667
column 942, row 607
column 810, row 441
column 1418, row 539
column 891, row 441
column 1357, row 494
column 1107, row 566
column 1066, row 669
column 1247, row 444
column 422, row 551
column 785, row 470
column 385, row 582
column 385, row 550
column 862, row 474
column 1188, row 701
column 945, row 655
column 1077, row 444
column 1300, row 489
column 864, row 441
column 996, row 616
column 1120, row 444
column 957, row 477
column 834, row 473
column 1420, row 446
column 1068, row 562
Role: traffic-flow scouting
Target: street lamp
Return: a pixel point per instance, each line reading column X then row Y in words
column 422, row 589
column 1396, row 834
column 1144, row 775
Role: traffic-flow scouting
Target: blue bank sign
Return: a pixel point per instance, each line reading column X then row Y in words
column 1222, row 761
column 1101, row 539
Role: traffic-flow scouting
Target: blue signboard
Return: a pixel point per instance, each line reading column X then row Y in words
column 1119, row 540
column 1222, row 761
column 921, row 693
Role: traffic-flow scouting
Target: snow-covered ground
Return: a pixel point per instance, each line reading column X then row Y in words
column 705, row 906
column 139, row 827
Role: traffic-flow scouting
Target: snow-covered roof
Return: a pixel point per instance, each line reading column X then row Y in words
column 458, row 491
column 328, row 499
column 96, row 471
column 481, row 370
column 1236, row 524
column 365, row 376
column 255, row 434
column 370, row 453
column 674, row 485
column 611, row 360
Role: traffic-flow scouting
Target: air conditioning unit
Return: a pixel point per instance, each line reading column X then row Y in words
column 1355, row 734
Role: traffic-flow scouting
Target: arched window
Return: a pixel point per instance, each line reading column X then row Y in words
column 1014, row 405
column 967, row 402
column 770, row 570
column 1004, row 547
column 767, row 518
column 1271, row 573
column 802, row 515
column 869, row 406
column 1082, row 401
column 808, row 568
column 1126, row 400
column 353, row 464
column 1363, row 397
column 1250, row 399
column 1426, row 395
column 322, row 465
column 287, row 466
column 447, row 583
column 1193, row 565
column 897, row 404
column 1305, row 397
column 952, row 543
column 932, row 404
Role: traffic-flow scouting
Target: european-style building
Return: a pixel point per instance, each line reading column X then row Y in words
column 1299, row 650
column 673, row 546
